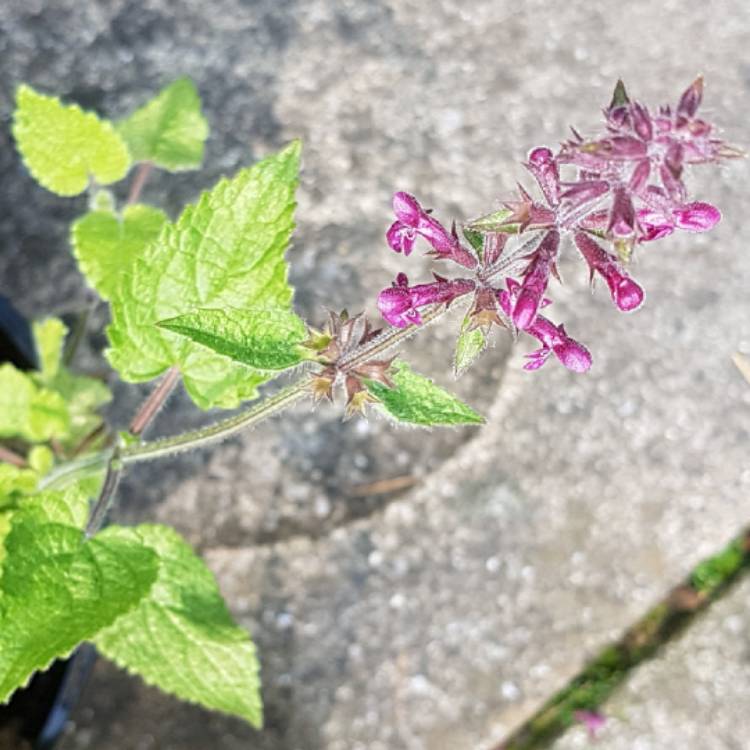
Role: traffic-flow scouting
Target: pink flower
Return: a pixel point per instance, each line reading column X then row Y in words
column 399, row 303
column 554, row 339
column 626, row 294
column 535, row 280
column 412, row 221
column 592, row 720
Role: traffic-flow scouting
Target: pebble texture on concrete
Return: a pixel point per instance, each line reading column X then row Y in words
column 439, row 618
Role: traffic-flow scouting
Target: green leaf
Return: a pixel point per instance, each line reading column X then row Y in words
column 49, row 335
column 169, row 130
column 63, row 146
column 28, row 411
column 84, row 396
column 225, row 251
column 14, row 481
column 418, row 400
column 58, row 589
column 264, row 339
column 181, row 637
column 493, row 222
column 106, row 246
column 470, row 344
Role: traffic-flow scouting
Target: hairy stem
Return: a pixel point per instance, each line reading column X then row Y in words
column 220, row 430
column 225, row 428
column 155, row 401
column 139, row 180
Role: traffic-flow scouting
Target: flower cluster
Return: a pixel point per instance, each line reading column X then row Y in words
column 608, row 194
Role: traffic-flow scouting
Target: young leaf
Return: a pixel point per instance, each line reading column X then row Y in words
column 265, row 339
column 82, row 395
column 470, row 344
column 49, row 335
column 181, row 637
column 63, row 146
column 28, row 411
column 106, row 246
column 494, row 222
column 57, row 589
column 169, row 130
column 225, row 251
column 418, row 400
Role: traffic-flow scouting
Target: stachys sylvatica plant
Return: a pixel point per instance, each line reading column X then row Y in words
column 204, row 301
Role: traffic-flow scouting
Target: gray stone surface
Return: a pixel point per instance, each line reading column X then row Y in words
column 694, row 695
column 440, row 617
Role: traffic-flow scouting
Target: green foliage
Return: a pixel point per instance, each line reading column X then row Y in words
column 82, row 395
column 181, row 637
column 107, row 246
column 264, row 339
column 494, row 222
column 225, row 251
column 169, row 130
column 63, row 146
column 470, row 344
column 417, row 400
column 58, row 588
column 717, row 570
column 28, row 411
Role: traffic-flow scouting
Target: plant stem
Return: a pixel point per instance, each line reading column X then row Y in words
column 139, row 180
column 11, row 457
column 106, row 494
column 155, row 401
column 390, row 338
column 225, row 428
column 76, row 335
column 219, row 430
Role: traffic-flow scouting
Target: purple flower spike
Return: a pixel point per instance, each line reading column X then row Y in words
column 413, row 220
column 697, row 217
column 543, row 166
column 622, row 216
column 639, row 176
column 574, row 356
column 399, row 303
column 535, row 281
column 626, row 293
column 641, row 122
column 691, row 99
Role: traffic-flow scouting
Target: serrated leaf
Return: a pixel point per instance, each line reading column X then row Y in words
column 49, row 335
column 417, row 400
column 28, row 411
column 58, row 589
column 225, row 251
column 106, row 246
column 264, row 339
column 170, row 130
column 494, row 222
column 470, row 344
column 181, row 637
column 63, row 146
